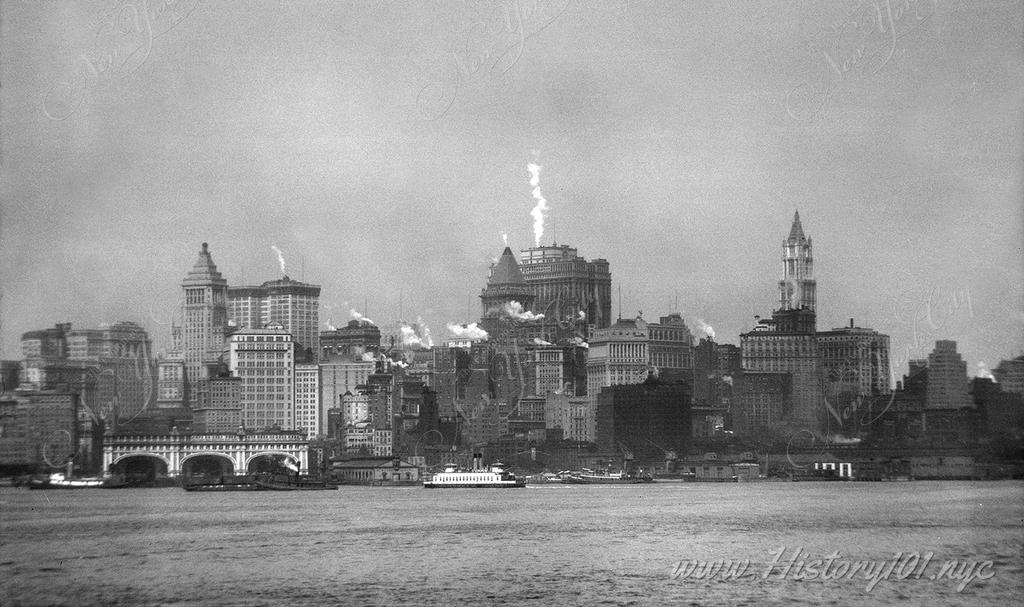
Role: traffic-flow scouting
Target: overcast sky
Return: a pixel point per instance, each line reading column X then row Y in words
column 383, row 148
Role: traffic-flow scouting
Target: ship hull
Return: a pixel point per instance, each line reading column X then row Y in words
column 604, row 480
column 430, row 485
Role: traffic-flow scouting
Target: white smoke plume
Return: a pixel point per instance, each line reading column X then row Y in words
column 369, row 357
column 280, row 257
column 727, row 379
column 542, row 205
column 470, row 331
column 356, row 315
column 416, row 334
column 582, row 315
column 288, row 463
column 704, row 327
column 541, row 342
column 578, row 341
column 504, row 237
column 983, row 371
column 515, row 310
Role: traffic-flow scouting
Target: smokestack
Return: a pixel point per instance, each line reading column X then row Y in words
column 851, row 323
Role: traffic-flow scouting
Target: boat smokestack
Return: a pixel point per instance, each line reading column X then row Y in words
column 478, row 461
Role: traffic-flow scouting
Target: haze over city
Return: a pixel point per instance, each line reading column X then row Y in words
column 383, row 150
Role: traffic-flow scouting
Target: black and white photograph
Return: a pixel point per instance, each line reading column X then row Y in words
column 511, row 302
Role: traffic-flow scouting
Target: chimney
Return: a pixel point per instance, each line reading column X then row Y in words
column 851, row 323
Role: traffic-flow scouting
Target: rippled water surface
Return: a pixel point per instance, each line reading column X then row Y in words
column 547, row 544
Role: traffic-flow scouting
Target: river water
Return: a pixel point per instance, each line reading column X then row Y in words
column 542, row 545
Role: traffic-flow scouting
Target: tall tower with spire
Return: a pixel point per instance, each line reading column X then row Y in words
column 797, row 289
column 204, row 317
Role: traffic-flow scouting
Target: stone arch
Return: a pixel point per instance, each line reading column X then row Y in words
column 125, row 456
column 293, row 457
column 215, row 454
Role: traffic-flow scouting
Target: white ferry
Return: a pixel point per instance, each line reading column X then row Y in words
column 453, row 478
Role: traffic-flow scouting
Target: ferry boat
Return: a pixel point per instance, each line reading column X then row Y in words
column 453, row 478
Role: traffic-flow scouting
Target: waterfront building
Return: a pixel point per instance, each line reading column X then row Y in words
column 293, row 305
column 217, row 406
column 564, row 284
column 40, row 429
column 644, row 420
column 265, row 360
column 308, row 413
column 204, row 318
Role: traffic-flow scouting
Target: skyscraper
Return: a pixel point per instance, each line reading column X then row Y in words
column 797, row 288
column 565, row 284
column 265, row 360
column 947, row 379
column 204, row 317
column 121, row 350
column 291, row 304
column 618, row 355
column 788, row 341
column 855, row 367
column 506, row 286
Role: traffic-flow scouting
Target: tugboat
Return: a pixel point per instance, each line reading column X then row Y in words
column 606, row 477
column 288, row 482
column 495, row 477
column 57, row 480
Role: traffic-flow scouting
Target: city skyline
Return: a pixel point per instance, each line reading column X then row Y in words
column 328, row 148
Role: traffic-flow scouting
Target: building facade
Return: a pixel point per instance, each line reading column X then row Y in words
column 293, row 305
column 565, row 284
column 947, row 379
column 618, row 355
column 204, row 317
column 671, row 347
column 265, row 361
column 788, row 343
column 354, row 341
column 217, row 407
column 309, row 416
